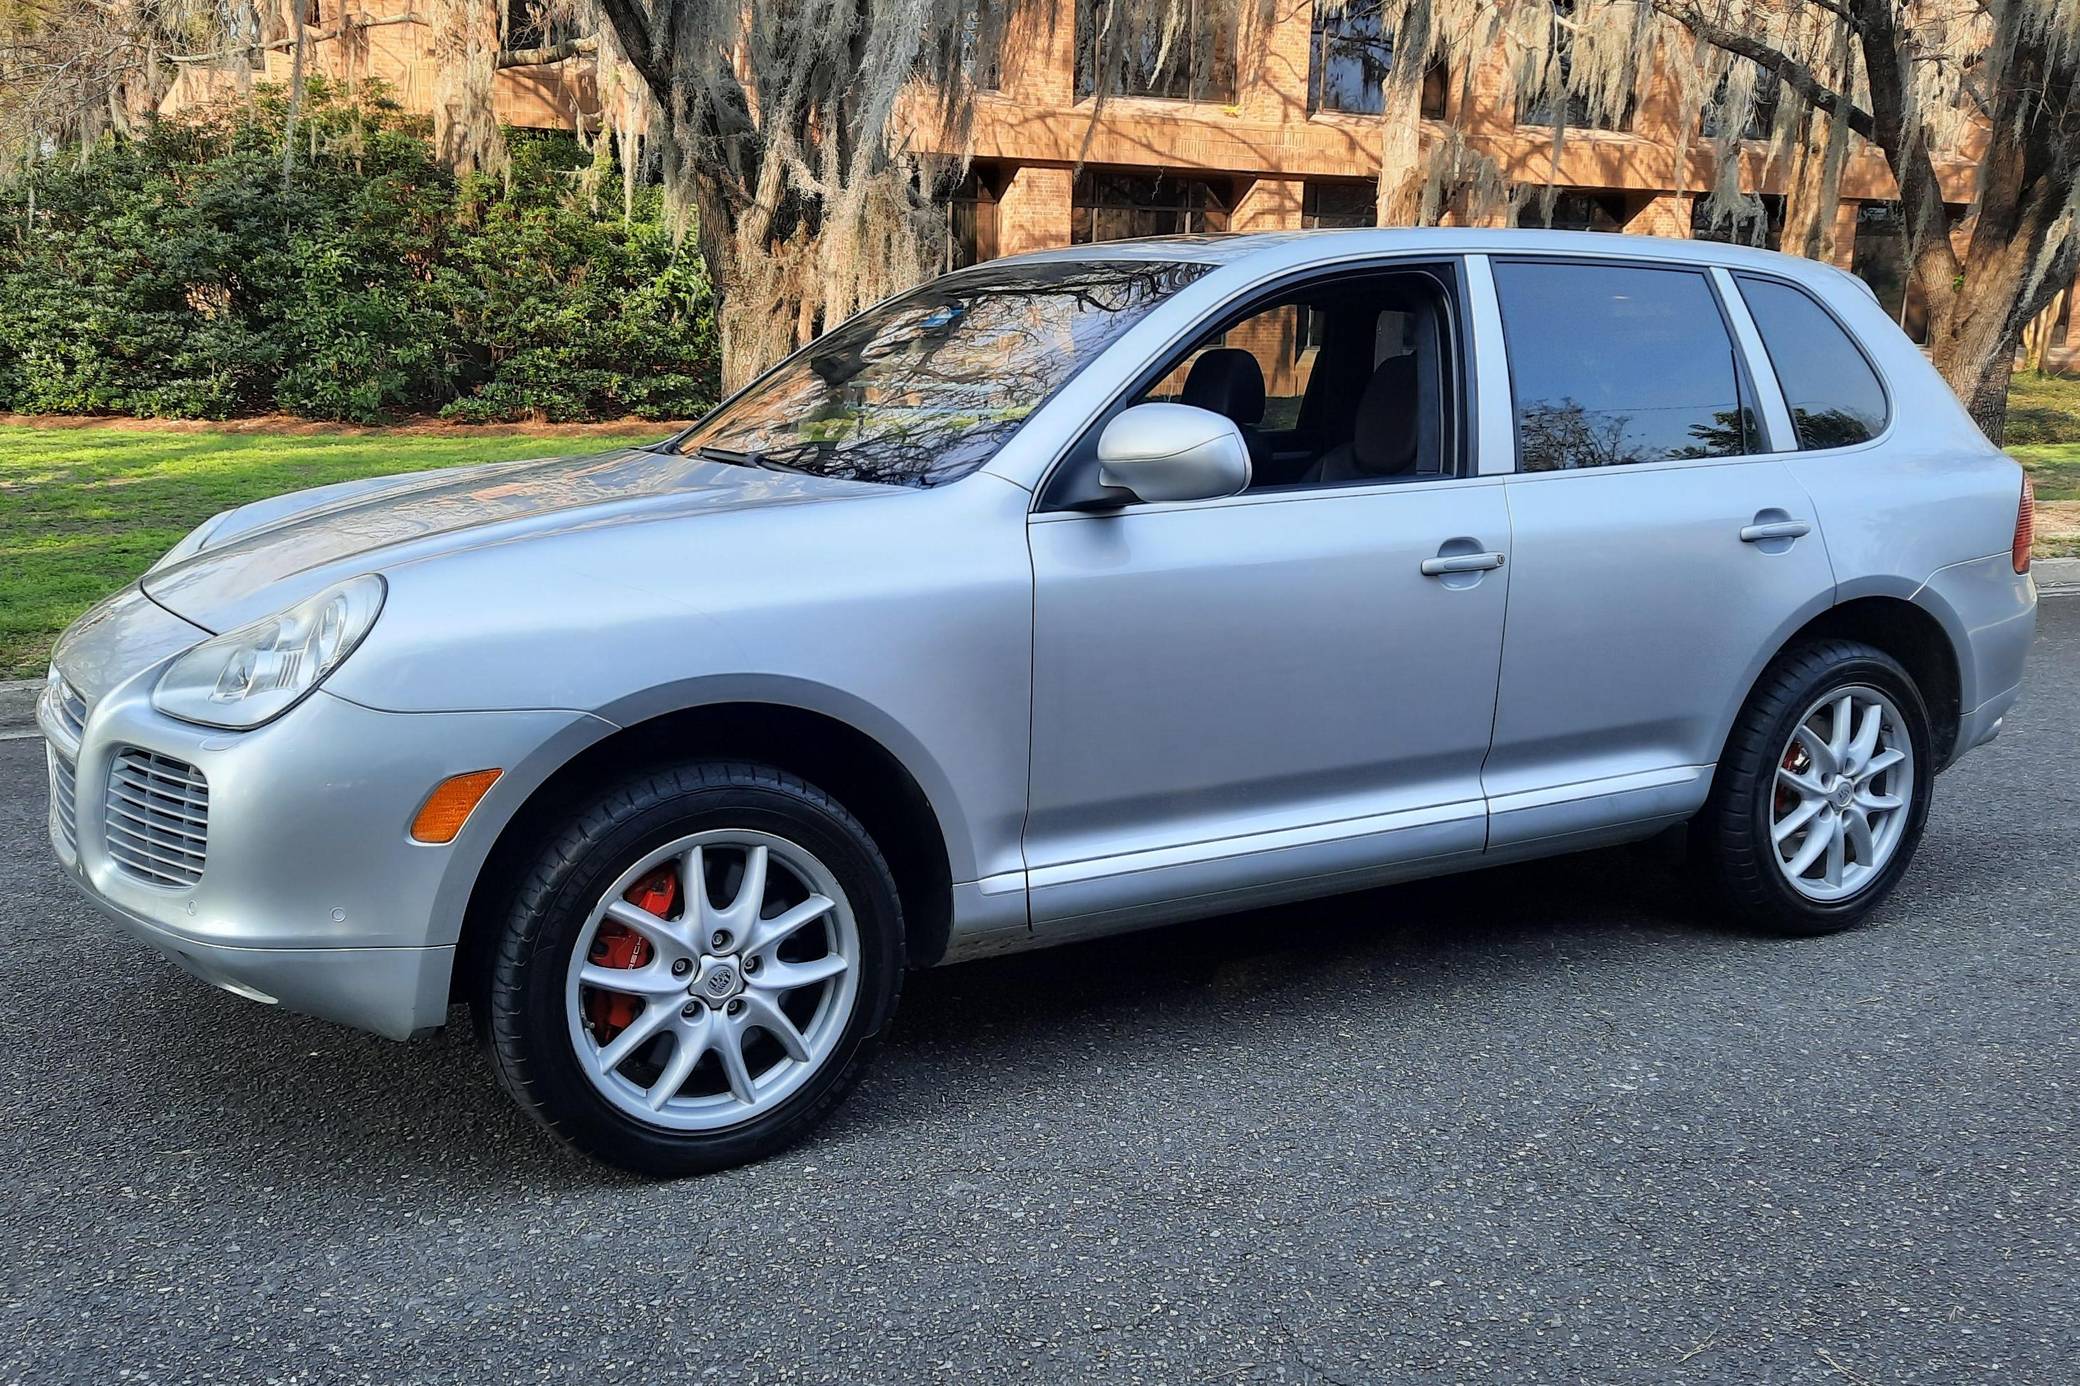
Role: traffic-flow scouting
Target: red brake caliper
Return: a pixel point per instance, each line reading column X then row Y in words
column 614, row 946
column 1795, row 760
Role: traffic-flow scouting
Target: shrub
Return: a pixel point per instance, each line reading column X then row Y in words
column 180, row 275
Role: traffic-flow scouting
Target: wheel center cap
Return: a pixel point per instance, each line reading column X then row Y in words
column 718, row 980
column 1843, row 795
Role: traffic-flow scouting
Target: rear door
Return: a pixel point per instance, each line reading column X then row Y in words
column 1660, row 554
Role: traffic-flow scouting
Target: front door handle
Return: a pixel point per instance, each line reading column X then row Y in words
column 1461, row 563
column 1775, row 529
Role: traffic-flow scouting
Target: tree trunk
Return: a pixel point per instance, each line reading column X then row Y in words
column 1401, row 129
column 2042, row 334
column 2022, row 246
column 1984, row 390
column 295, row 93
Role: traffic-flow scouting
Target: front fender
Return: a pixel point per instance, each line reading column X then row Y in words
column 808, row 695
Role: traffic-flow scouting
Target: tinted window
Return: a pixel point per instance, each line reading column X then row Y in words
column 1617, row 364
column 1833, row 394
column 925, row 388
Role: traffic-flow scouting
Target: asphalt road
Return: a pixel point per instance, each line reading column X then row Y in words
column 1542, row 1124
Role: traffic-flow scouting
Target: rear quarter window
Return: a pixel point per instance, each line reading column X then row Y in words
column 1834, row 396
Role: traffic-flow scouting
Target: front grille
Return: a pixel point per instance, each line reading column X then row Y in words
column 158, row 817
column 64, row 801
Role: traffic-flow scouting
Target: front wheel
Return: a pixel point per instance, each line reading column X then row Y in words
column 693, row 973
column 1820, row 798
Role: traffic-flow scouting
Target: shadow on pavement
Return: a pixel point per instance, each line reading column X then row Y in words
column 303, row 1094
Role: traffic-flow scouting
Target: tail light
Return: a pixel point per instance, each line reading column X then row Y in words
column 2025, row 525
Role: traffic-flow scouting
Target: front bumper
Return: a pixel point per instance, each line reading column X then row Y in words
column 396, row 992
column 311, row 893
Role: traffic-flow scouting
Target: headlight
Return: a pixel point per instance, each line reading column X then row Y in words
column 192, row 544
column 258, row 672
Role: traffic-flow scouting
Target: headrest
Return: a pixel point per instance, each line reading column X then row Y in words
column 1228, row 381
column 1384, row 443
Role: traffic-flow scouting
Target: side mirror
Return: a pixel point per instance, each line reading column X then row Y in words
column 1173, row 452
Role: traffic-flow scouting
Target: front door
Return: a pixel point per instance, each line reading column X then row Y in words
column 1258, row 697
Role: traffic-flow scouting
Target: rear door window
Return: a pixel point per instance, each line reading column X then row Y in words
column 1833, row 394
column 1616, row 364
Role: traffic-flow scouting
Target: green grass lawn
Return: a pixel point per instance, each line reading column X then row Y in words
column 85, row 510
column 2043, row 409
column 2054, row 469
column 2044, row 435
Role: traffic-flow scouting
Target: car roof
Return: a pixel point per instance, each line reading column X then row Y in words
column 1276, row 250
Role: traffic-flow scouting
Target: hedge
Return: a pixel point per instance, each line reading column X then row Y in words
column 179, row 275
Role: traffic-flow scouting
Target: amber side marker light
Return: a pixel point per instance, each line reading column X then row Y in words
column 2025, row 525
column 450, row 805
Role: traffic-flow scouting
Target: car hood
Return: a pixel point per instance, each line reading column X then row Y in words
column 268, row 555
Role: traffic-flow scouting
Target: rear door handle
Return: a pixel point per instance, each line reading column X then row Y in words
column 1461, row 563
column 1775, row 529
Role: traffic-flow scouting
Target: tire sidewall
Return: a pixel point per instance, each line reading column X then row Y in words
column 1874, row 669
column 528, row 1014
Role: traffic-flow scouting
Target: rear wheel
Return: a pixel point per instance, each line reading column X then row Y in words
column 1821, row 795
column 694, row 971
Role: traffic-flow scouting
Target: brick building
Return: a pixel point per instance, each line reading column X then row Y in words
column 1267, row 123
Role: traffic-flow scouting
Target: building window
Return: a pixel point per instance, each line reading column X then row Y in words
column 531, row 24
column 1574, row 210
column 1340, row 204
column 1349, row 56
column 1879, row 259
column 1559, row 98
column 1114, row 206
column 971, row 221
column 1762, row 110
column 1195, row 64
column 1760, row 222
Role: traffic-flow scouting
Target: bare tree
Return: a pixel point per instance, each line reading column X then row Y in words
column 792, row 131
column 1919, row 80
column 792, row 134
column 73, row 70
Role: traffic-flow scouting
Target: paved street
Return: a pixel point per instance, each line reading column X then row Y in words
column 1538, row 1125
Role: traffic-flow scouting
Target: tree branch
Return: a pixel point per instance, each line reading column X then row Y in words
column 631, row 25
column 1906, row 149
column 344, row 27
column 1787, row 69
column 543, row 57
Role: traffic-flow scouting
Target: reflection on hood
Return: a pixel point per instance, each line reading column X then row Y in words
column 368, row 525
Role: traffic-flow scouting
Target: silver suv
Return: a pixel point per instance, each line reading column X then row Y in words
column 1068, row 594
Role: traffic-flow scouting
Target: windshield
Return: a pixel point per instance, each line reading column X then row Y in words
column 925, row 388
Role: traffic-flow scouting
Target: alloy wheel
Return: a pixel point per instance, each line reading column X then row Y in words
column 1844, row 792
column 695, row 1015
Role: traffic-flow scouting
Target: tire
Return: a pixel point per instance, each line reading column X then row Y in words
column 549, row 1035
column 1749, row 879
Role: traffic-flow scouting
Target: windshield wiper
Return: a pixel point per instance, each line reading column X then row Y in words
column 733, row 456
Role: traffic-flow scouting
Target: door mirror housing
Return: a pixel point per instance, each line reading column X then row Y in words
column 1173, row 452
